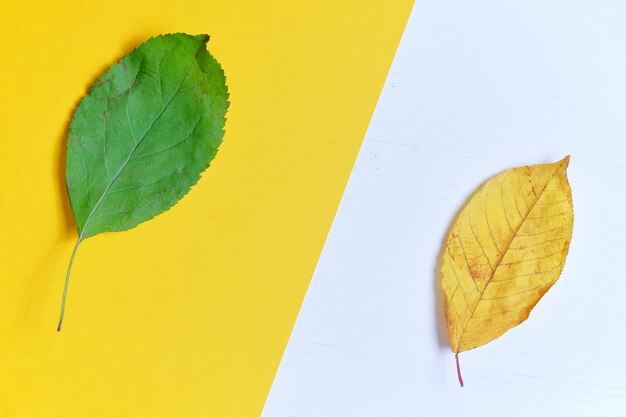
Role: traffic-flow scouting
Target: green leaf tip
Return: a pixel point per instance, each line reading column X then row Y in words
column 203, row 37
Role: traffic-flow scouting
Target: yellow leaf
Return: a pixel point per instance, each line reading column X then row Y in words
column 506, row 248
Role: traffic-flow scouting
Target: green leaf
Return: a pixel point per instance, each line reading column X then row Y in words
column 143, row 135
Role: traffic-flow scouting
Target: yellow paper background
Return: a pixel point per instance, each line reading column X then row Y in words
column 186, row 315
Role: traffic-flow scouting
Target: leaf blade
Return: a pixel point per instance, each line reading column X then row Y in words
column 140, row 139
column 505, row 250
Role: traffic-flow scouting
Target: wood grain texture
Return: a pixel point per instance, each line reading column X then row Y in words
column 475, row 88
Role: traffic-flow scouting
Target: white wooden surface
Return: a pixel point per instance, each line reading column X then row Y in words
column 477, row 87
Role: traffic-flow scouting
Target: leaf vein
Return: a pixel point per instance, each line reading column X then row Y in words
column 508, row 245
column 119, row 171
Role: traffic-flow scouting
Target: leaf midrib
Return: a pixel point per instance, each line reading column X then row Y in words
column 497, row 265
column 136, row 145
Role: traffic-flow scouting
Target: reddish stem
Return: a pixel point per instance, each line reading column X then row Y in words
column 458, row 369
